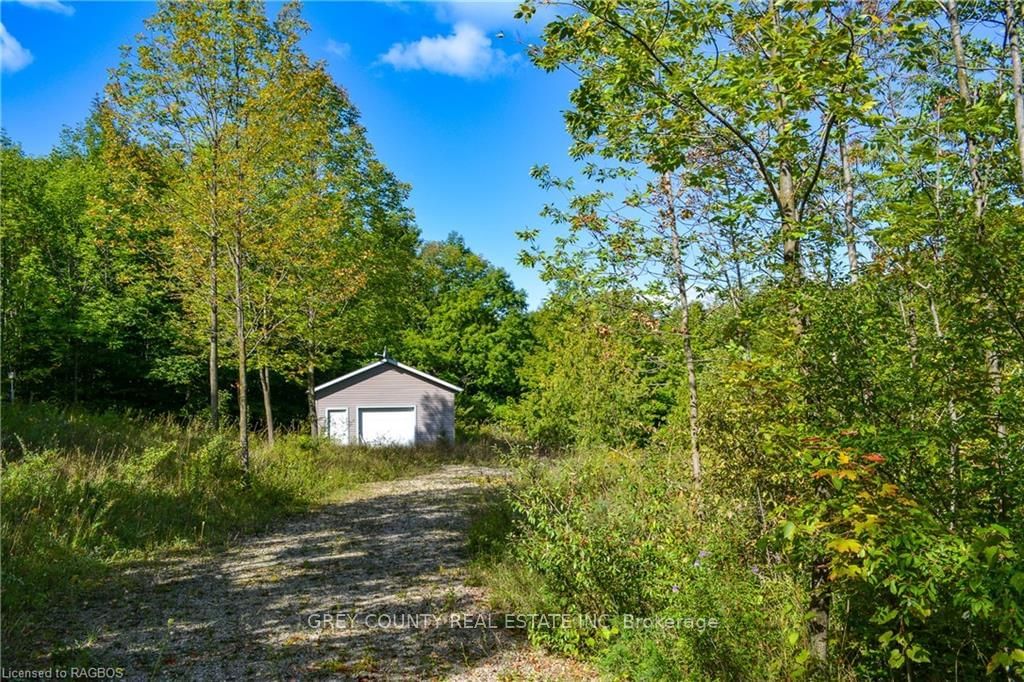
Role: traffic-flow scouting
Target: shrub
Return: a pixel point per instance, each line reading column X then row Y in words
column 609, row 536
column 922, row 594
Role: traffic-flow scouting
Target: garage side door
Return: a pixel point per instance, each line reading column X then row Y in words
column 387, row 425
column 337, row 425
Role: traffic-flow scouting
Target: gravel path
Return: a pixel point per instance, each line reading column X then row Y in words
column 366, row 588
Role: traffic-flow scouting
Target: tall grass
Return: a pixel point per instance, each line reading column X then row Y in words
column 82, row 493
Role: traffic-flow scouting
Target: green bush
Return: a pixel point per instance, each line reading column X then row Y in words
column 919, row 594
column 724, row 622
column 608, row 536
column 612, row 533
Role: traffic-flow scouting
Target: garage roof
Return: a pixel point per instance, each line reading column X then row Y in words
column 394, row 363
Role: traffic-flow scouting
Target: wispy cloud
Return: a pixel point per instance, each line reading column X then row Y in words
column 467, row 52
column 498, row 15
column 489, row 16
column 342, row 50
column 50, row 6
column 13, row 57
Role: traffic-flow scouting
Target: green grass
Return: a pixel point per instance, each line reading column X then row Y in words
column 83, row 494
column 512, row 587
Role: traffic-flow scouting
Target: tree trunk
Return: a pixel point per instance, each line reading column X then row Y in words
column 684, row 326
column 74, row 372
column 791, row 269
column 214, row 333
column 821, row 594
column 734, row 254
column 965, row 95
column 851, row 235
column 910, row 324
column 787, row 198
column 1017, row 78
column 267, row 408
column 993, row 363
column 314, row 426
column 954, row 421
column 790, row 224
column 1017, row 84
column 243, row 385
column 821, row 605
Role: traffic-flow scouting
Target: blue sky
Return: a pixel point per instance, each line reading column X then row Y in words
column 450, row 101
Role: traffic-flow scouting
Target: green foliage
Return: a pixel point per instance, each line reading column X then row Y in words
column 468, row 325
column 856, row 344
column 220, row 149
column 589, row 378
column 841, row 173
column 921, row 593
column 915, row 582
column 610, row 536
column 87, row 306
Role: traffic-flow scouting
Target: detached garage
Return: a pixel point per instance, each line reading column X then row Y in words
column 387, row 403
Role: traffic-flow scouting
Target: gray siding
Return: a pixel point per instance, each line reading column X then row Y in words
column 390, row 386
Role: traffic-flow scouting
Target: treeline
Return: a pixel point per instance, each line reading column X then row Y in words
column 221, row 221
column 787, row 340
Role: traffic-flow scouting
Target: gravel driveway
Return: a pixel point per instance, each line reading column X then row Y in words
column 371, row 587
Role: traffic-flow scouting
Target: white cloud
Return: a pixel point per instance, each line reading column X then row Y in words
column 490, row 16
column 467, row 52
column 342, row 50
column 13, row 57
column 498, row 15
column 50, row 5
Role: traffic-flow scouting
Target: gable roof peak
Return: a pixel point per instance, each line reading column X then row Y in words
column 388, row 360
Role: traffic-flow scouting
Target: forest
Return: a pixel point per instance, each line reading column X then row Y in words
column 778, row 380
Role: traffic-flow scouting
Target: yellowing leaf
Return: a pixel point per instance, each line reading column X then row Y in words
column 845, row 546
column 870, row 522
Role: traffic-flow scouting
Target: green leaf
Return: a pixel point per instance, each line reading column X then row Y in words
column 788, row 529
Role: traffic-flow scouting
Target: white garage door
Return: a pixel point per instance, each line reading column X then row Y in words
column 387, row 425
